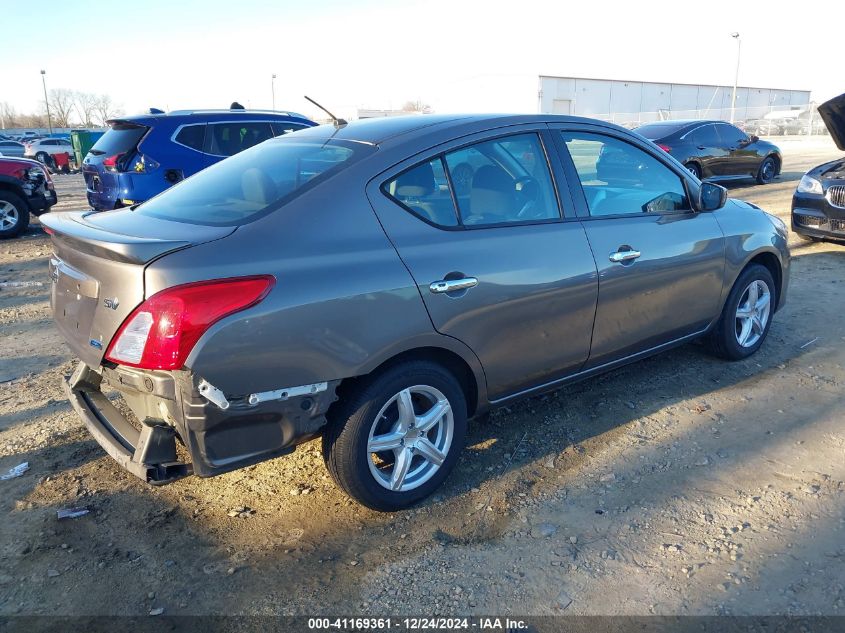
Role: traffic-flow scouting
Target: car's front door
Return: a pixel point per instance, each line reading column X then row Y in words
column 660, row 263
column 496, row 264
column 743, row 158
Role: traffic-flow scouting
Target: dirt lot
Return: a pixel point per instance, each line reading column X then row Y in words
column 679, row 485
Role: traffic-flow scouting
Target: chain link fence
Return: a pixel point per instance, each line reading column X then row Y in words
column 762, row 121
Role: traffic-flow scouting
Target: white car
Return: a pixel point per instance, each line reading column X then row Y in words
column 40, row 149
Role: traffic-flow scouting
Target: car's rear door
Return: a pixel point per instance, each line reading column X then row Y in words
column 660, row 263
column 227, row 138
column 497, row 265
column 705, row 144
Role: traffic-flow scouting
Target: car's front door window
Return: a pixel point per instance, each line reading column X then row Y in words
column 620, row 179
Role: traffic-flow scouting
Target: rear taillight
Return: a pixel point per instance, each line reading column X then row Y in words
column 162, row 331
column 112, row 162
column 664, row 147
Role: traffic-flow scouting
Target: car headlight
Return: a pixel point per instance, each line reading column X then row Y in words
column 809, row 184
column 34, row 174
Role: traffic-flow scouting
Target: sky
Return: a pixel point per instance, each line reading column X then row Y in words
column 457, row 55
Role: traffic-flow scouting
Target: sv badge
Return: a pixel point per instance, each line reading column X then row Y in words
column 111, row 303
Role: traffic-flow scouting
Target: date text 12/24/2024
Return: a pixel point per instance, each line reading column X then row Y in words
column 417, row 624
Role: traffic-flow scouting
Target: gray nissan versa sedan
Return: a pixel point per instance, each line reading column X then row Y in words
column 341, row 281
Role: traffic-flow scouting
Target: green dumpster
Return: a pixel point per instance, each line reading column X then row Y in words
column 83, row 141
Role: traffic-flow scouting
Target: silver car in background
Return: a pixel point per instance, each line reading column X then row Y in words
column 380, row 282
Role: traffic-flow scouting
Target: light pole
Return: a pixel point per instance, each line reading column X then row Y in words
column 273, row 89
column 46, row 103
column 736, row 76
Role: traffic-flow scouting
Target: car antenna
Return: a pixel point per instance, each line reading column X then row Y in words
column 337, row 122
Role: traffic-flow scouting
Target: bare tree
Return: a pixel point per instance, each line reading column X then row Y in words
column 32, row 120
column 86, row 106
column 61, row 102
column 105, row 109
column 8, row 115
column 416, row 106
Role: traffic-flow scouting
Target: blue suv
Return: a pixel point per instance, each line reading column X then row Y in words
column 140, row 156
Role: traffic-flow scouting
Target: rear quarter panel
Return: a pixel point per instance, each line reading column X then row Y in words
column 342, row 304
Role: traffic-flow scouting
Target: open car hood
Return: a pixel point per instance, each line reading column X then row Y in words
column 833, row 114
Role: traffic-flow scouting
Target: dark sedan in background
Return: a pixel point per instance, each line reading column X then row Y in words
column 818, row 206
column 716, row 150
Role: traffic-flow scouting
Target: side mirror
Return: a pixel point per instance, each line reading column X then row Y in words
column 754, row 138
column 711, row 197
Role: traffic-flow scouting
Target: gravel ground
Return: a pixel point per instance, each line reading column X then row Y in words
column 677, row 485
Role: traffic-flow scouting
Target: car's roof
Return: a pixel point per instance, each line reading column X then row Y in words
column 377, row 131
column 149, row 118
column 679, row 123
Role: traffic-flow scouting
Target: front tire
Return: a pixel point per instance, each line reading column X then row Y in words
column 767, row 171
column 747, row 315
column 14, row 215
column 395, row 438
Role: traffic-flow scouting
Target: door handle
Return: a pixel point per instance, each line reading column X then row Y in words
column 624, row 256
column 452, row 285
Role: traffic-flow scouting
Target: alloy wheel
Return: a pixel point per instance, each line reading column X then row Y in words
column 752, row 313
column 410, row 438
column 9, row 215
column 768, row 170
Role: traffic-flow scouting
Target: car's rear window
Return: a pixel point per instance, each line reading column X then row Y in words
column 121, row 138
column 253, row 182
column 659, row 130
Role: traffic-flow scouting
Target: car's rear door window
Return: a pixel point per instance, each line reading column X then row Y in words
column 503, row 181
column 227, row 139
column 619, row 178
column 192, row 136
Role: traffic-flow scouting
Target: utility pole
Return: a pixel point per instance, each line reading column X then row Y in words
column 46, row 102
column 273, row 89
column 736, row 76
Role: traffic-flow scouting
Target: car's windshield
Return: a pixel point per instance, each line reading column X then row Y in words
column 653, row 131
column 258, row 180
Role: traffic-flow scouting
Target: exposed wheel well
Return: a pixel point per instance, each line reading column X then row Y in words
column 4, row 186
column 770, row 261
column 778, row 165
column 449, row 360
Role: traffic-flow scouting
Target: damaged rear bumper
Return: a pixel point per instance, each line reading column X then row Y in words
column 171, row 407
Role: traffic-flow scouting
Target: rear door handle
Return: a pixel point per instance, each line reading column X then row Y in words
column 451, row 285
column 624, row 256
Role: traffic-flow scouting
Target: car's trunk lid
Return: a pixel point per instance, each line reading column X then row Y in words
column 97, row 270
column 833, row 114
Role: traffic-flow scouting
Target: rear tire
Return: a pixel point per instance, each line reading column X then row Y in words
column 766, row 172
column 407, row 469
column 694, row 169
column 729, row 338
column 14, row 215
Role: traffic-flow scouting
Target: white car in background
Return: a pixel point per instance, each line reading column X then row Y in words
column 43, row 147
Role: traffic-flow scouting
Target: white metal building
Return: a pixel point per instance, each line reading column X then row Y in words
column 638, row 101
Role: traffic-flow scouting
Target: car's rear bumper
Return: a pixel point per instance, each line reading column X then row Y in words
column 170, row 408
column 149, row 453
